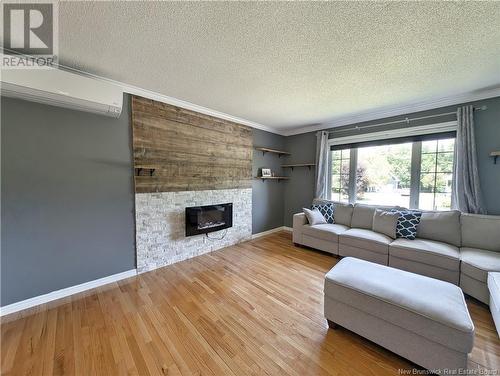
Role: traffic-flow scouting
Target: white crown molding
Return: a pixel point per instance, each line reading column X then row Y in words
column 398, row 110
column 134, row 90
column 381, row 113
column 54, row 295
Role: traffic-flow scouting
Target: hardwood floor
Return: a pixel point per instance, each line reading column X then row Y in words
column 254, row 308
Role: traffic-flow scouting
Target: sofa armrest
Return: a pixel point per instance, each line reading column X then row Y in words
column 299, row 220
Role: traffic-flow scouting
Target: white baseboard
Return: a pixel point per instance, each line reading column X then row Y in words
column 286, row 228
column 268, row 232
column 58, row 294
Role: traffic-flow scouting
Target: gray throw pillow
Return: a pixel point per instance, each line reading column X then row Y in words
column 314, row 216
column 385, row 222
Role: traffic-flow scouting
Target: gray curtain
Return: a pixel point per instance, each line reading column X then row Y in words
column 322, row 173
column 467, row 195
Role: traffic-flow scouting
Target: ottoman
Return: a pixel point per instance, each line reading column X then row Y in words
column 494, row 289
column 419, row 318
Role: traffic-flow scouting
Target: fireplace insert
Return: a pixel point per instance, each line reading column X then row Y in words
column 209, row 218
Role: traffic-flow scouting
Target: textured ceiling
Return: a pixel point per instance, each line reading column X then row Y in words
column 287, row 64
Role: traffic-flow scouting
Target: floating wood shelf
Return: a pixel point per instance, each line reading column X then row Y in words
column 308, row 165
column 495, row 155
column 139, row 168
column 267, row 150
column 264, row 178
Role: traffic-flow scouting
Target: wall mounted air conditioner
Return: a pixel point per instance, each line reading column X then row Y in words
column 56, row 87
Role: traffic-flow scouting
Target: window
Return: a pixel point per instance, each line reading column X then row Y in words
column 340, row 174
column 436, row 174
column 414, row 173
column 383, row 175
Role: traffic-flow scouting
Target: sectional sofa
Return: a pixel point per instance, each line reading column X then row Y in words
column 450, row 246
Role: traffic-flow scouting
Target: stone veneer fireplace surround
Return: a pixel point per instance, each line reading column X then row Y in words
column 160, row 225
column 183, row 158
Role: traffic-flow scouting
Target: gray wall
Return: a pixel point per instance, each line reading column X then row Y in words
column 488, row 140
column 267, row 195
column 67, row 191
column 300, row 189
column 67, row 198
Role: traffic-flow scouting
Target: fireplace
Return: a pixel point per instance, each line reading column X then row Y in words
column 209, row 218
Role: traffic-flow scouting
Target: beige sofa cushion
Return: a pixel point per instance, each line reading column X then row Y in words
column 343, row 214
column 327, row 231
column 385, row 222
column 440, row 226
column 362, row 215
column 476, row 263
column 366, row 239
column 480, row 231
column 426, row 251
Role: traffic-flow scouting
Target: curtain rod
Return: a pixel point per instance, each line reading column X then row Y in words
column 405, row 120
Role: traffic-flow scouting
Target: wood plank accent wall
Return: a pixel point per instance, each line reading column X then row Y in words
column 188, row 151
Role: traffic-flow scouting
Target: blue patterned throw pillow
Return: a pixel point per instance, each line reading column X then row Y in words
column 407, row 223
column 327, row 211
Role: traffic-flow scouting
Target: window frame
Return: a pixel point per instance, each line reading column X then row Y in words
column 435, row 172
column 330, row 167
column 415, row 135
